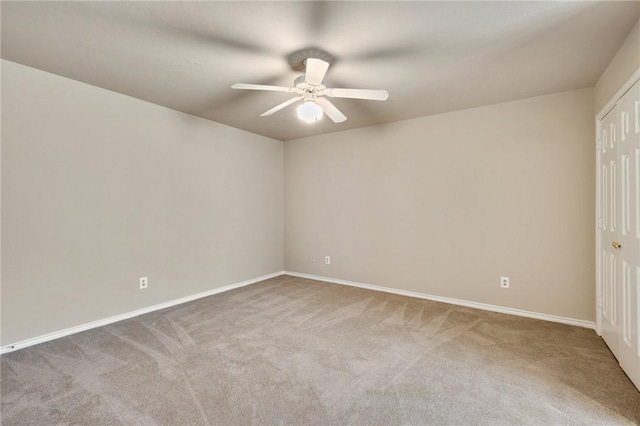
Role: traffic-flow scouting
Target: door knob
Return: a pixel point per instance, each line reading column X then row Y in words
column 616, row 245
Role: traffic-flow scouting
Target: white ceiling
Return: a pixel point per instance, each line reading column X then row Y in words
column 432, row 57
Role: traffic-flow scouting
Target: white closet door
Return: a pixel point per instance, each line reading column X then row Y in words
column 609, row 231
column 629, row 233
column 620, row 231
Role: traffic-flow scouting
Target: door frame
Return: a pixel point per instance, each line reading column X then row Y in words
column 599, row 116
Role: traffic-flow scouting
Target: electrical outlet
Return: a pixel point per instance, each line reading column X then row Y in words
column 504, row 282
column 144, row 282
column 312, row 259
column 327, row 260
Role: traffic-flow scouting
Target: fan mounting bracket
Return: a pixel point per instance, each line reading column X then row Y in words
column 297, row 59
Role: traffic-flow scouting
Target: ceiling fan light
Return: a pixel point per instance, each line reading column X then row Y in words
column 309, row 111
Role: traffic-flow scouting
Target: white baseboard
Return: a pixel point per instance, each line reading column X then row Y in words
column 72, row 330
column 110, row 320
column 477, row 305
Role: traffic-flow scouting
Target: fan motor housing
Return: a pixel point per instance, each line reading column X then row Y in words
column 300, row 83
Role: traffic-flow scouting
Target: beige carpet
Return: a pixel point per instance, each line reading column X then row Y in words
column 295, row 351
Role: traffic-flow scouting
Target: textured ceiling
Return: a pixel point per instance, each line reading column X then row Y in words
column 432, row 57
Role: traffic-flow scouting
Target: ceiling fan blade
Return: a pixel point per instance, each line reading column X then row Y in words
column 282, row 105
column 316, row 69
column 330, row 109
column 263, row 87
column 373, row 95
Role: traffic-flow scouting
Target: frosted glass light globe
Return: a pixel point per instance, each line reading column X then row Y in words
column 310, row 112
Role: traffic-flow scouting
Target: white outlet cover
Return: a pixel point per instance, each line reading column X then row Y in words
column 504, row 282
column 144, row 282
column 327, row 260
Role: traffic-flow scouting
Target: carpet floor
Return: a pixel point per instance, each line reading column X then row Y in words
column 296, row 351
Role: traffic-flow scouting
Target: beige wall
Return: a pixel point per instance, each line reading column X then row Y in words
column 625, row 62
column 99, row 189
column 446, row 204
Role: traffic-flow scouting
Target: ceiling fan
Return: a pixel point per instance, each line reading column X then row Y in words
column 311, row 88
